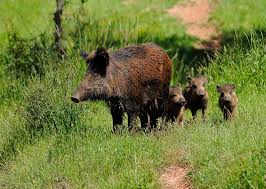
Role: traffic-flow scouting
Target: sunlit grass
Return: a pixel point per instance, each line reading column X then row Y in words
column 48, row 142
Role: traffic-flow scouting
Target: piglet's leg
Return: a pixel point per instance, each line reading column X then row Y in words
column 227, row 114
column 193, row 112
column 203, row 110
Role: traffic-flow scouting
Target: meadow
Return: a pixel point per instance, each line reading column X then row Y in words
column 46, row 141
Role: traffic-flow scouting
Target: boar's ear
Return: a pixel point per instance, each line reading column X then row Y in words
column 205, row 79
column 84, row 55
column 188, row 79
column 218, row 87
column 87, row 56
column 100, row 61
column 233, row 87
column 101, row 57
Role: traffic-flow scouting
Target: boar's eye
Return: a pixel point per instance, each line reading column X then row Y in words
column 194, row 86
column 172, row 96
column 222, row 93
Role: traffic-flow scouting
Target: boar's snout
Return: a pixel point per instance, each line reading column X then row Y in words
column 182, row 101
column 201, row 93
column 75, row 99
column 227, row 99
column 81, row 94
column 179, row 101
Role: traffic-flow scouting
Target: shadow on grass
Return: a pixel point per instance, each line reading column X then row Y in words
column 188, row 59
column 243, row 39
column 185, row 57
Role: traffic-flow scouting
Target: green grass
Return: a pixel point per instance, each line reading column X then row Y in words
column 231, row 155
column 27, row 17
column 240, row 16
column 48, row 142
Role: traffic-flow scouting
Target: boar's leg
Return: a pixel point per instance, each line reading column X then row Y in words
column 233, row 113
column 132, row 118
column 117, row 115
column 193, row 112
column 227, row 114
column 153, row 115
column 158, row 109
column 144, row 120
column 180, row 120
column 116, row 112
column 164, row 105
column 203, row 110
column 153, row 120
column 170, row 119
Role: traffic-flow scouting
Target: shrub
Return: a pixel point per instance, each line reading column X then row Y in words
column 25, row 58
column 47, row 109
column 44, row 109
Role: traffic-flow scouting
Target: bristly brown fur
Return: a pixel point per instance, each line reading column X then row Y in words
column 228, row 100
column 130, row 81
column 176, row 105
column 196, row 95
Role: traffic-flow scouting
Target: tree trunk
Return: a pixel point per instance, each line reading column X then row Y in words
column 58, row 28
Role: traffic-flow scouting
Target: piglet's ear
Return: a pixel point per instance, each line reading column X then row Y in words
column 189, row 79
column 218, row 88
column 84, row 55
column 233, row 86
column 205, row 79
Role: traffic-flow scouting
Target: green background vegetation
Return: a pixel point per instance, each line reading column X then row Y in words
column 46, row 141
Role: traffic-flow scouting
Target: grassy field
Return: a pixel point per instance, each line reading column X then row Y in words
column 240, row 16
column 46, row 141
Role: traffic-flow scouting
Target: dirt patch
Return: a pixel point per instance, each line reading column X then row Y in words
column 129, row 2
column 195, row 14
column 175, row 177
column 61, row 183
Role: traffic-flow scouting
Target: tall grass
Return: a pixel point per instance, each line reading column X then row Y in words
column 45, row 113
column 222, row 154
column 231, row 154
column 48, row 142
column 249, row 15
column 28, row 18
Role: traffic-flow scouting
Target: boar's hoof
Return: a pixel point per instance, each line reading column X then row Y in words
column 75, row 99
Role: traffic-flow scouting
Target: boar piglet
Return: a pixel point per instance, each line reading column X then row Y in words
column 196, row 95
column 129, row 80
column 176, row 105
column 228, row 100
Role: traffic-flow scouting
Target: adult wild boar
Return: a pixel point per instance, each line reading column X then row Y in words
column 130, row 80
